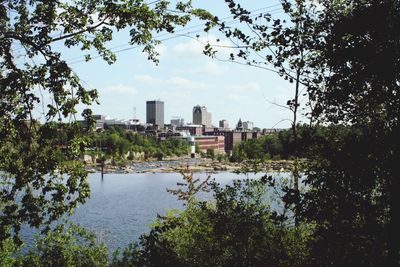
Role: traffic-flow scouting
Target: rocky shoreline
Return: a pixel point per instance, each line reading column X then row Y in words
column 193, row 165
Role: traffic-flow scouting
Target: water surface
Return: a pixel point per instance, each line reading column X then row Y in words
column 122, row 206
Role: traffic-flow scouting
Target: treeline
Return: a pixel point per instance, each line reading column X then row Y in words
column 281, row 145
column 114, row 141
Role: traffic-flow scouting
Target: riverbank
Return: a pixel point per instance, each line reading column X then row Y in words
column 195, row 165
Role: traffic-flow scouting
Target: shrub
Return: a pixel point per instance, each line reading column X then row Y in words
column 66, row 247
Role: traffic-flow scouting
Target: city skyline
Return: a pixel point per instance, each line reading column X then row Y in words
column 185, row 77
column 153, row 107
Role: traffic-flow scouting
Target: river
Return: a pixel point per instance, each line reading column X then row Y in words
column 122, row 206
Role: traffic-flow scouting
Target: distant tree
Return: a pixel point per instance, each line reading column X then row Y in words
column 159, row 155
column 272, row 145
column 210, row 153
column 221, row 157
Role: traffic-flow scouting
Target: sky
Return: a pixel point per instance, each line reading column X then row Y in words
column 185, row 77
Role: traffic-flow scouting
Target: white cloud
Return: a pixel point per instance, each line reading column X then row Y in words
column 147, row 79
column 235, row 97
column 173, row 82
column 244, row 88
column 211, row 68
column 193, row 49
column 120, row 89
column 185, row 83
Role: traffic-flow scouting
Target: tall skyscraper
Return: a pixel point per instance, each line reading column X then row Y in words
column 155, row 112
column 201, row 116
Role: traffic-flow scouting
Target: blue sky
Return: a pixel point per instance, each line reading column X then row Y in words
column 185, row 77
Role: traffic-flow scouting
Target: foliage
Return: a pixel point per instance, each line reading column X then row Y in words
column 35, row 159
column 284, row 45
column 222, row 157
column 33, row 168
column 278, row 145
column 191, row 187
column 65, row 247
column 116, row 142
column 346, row 201
column 348, row 62
column 236, row 229
column 210, row 153
column 354, row 177
column 8, row 253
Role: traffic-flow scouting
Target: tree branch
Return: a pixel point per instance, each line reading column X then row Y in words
column 78, row 32
column 27, row 41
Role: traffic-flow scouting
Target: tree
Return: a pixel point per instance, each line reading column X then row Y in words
column 355, row 176
column 349, row 62
column 281, row 46
column 41, row 177
column 237, row 228
column 210, row 153
column 66, row 246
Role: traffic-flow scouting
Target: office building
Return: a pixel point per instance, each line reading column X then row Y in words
column 201, row 116
column 223, row 124
column 248, row 125
column 155, row 113
column 239, row 125
column 216, row 143
column 191, row 129
column 177, row 122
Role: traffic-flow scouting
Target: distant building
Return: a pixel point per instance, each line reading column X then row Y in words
column 239, row 125
column 233, row 137
column 105, row 122
column 191, row 129
column 177, row 122
column 127, row 124
column 223, row 124
column 100, row 120
column 201, row 116
column 248, row 125
column 216, row 143
column 155, row 113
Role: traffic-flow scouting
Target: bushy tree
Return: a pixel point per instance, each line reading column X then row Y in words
column 66, row 247
column 354, row 181
column 8, row 253
column 41, row 178
column 238, row 228
column 117, row 142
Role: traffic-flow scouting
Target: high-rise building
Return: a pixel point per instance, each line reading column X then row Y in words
column 223, row 124
column 177, row 122
column 201, row 116
column 239, row 125
column 155, row 112
column 248, row 125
